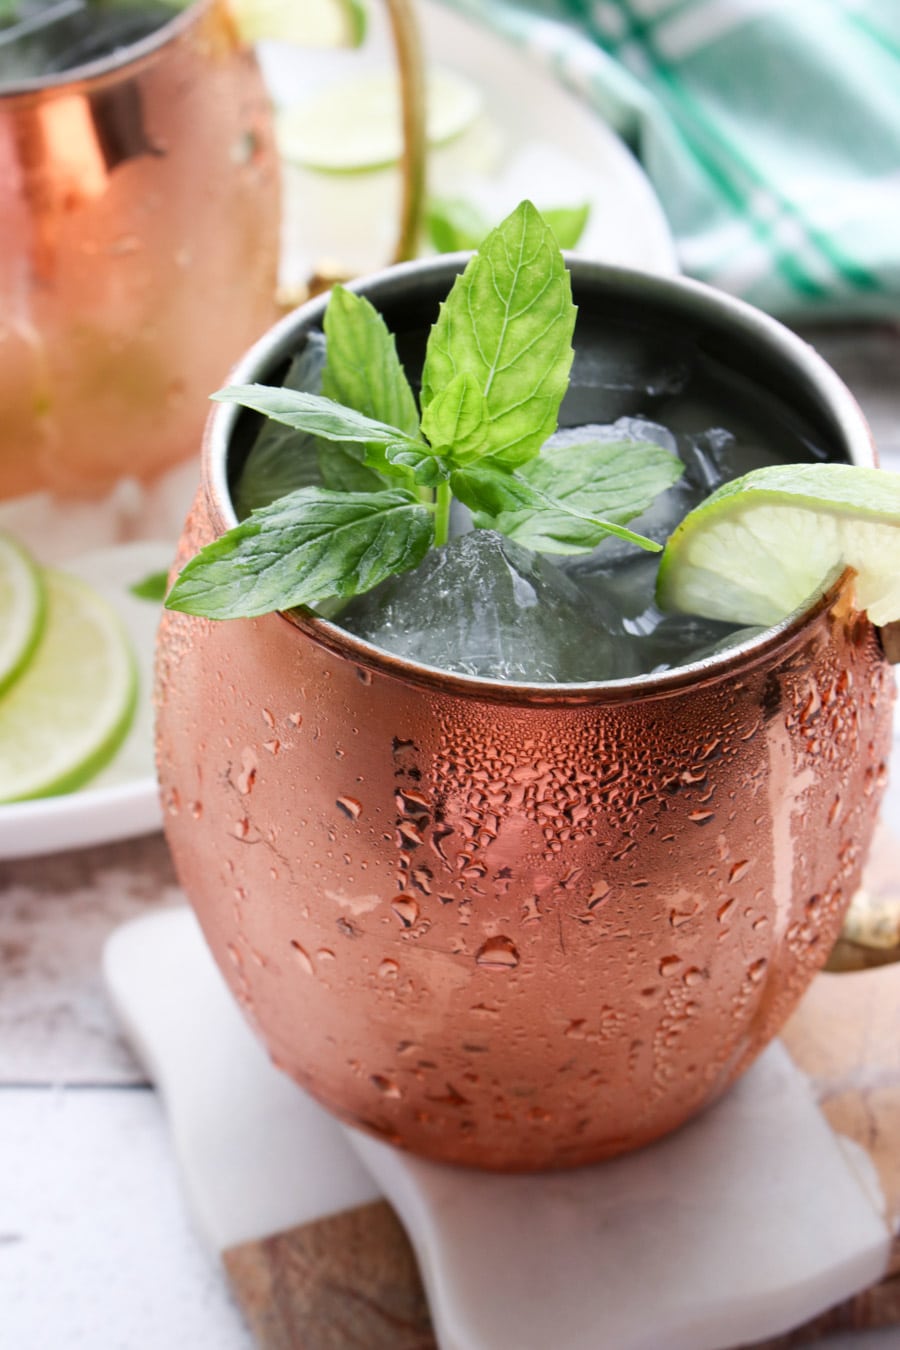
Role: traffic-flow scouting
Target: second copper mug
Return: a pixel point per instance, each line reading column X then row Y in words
column 522, row 926
column 139, row 220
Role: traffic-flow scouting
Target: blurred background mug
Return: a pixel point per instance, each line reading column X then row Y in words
column 139, row 219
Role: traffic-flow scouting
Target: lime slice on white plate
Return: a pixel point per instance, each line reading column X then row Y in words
column 762, row 545
column 70, row 709
column 21, row 609
column 303, row 23
column 355, row 125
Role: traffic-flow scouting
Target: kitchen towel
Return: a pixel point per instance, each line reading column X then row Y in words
column 770, row 130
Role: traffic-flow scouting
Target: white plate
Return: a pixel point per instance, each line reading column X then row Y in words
column 534, row 140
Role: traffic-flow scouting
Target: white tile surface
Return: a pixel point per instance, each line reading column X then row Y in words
column 96, row 1251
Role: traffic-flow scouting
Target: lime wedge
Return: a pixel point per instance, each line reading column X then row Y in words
column 304, row 23
column 21, row 609
column 355, row 125
column 762, row 545
column 69, row 710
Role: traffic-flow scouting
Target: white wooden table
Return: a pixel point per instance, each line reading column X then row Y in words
column 96, row 1249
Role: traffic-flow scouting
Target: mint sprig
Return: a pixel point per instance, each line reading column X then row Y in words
column 374, row 482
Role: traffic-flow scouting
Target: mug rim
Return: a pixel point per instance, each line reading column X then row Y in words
column 694, row 298
column 115, row 63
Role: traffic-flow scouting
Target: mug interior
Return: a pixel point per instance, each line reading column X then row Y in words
column 755, row 359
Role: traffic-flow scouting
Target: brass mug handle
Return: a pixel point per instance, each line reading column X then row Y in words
column 410, row 66
column 411, row 73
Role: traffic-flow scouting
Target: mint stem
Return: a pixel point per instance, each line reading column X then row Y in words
column 442, row 499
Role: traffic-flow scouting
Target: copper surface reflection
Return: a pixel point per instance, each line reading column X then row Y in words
column 139, row 213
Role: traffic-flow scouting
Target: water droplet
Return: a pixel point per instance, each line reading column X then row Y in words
column 693, row 977
column 196, row 809
column 757, row 970
column 599, row 892
column 669, row 964
column 679, row 917
column 241, row 828
column 412, row 803
column 295, row 719
column 350, row 807
column 740, row 869
column 498, row 953
column 364, row 676
column 388, row 970
column 406, row 908
column 247, row 777
column 325, row 954
column 173, row 801
column 273, row 747
column 302, row 957
column 386, row 1086
column 268, row 718
column 724, row 910
column 701, row 817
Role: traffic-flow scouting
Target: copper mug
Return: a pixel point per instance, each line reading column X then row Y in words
column 518, row 926
column 139, row 218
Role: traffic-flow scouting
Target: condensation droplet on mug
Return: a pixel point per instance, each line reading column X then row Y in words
column 599, row 892
column 757, row 971
column 173, row 801
column 406, row 908
column 388, row 970
column 386, row 1086
column 739, row 870
column 351, row 807
column 241, row 828
column 301, row 956
column 325, row 954
column 498, row 953
column 268, row 718
column 693, row 977
column 724, row 910
column 364, row 676
column 246, row 779
column 295, row 719
column 669, row 964
column 196, row 810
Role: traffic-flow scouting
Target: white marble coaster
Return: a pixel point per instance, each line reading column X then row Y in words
column 748, row 1221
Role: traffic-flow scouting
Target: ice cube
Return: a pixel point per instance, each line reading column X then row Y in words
column 481, row 605
column 619, row 374
column 680, row 638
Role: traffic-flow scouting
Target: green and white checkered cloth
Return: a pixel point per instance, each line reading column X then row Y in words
column 769, row 128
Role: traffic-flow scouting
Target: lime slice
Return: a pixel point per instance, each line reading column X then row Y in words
column 304, row 23
column 68, row 712
column 761, row 546
column 355, row 125
column 21, row 609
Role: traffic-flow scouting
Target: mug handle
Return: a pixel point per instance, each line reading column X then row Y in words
column 411, row 73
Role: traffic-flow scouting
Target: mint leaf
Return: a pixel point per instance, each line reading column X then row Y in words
column 341, row 468
column 508, row 323
column 362, row 369
column 568, row 500
column 455, row 417
column 454, row 225
column 314, row 413
column 151, row 587
column 426, row 466
column 282, row 459
column 614, row 479
column 306, row 547
column 567, row 222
